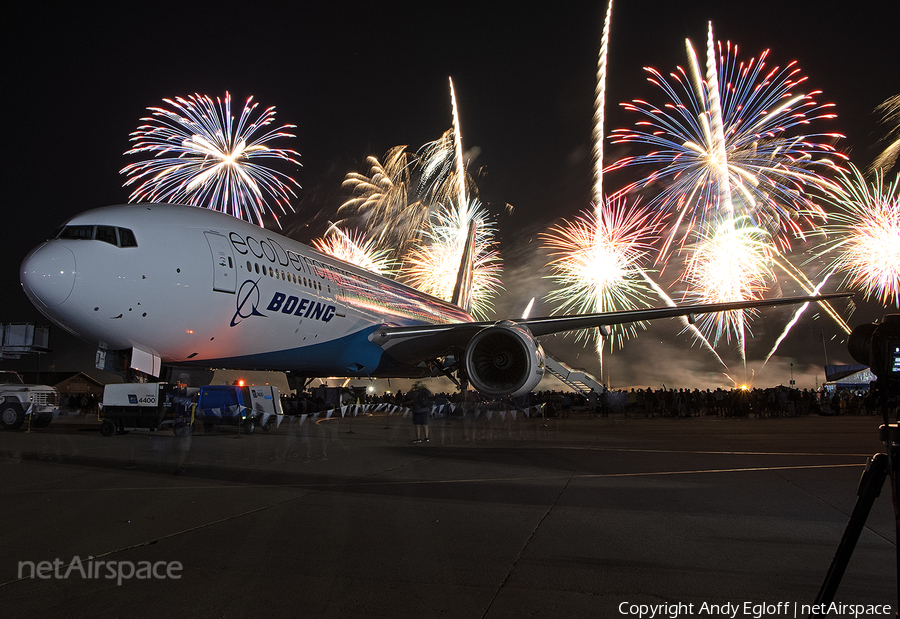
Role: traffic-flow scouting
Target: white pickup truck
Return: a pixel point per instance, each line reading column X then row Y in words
column 18, row 401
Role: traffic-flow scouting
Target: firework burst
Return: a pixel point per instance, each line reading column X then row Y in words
column 864, row 232
column 731, row 138
column 444, row 178
column 890, row 116
column 395, row 200
column 386, row 202
column 421, row 205
column 600, row 106
column 433, row 267
column 355, row 248
column 202, row 158
column 596, row 261
column 731, row 261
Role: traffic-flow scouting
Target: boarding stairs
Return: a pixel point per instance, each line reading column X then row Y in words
column 577, row 380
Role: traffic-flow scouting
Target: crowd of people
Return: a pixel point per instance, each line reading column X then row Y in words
column 663, row 402
column 770, row 402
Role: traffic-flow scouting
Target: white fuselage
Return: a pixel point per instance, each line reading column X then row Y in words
column 191, row 285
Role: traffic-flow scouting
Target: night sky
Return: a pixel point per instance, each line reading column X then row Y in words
column 360, row 78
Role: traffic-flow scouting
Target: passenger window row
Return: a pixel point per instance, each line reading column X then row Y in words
column 283, row 275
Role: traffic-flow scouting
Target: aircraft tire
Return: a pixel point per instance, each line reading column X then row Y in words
column 249, row 425
column 11, row 415
column 108, row 427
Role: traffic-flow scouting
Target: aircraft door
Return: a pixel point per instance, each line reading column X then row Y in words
column 224, row 276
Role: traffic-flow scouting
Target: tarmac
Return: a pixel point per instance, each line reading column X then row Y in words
column 510, row 516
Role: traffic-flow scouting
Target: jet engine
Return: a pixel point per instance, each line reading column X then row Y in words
column 504, row 359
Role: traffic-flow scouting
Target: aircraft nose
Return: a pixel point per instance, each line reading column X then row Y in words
column 48, row 274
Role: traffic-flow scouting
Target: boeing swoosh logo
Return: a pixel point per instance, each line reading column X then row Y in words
column 247, row 295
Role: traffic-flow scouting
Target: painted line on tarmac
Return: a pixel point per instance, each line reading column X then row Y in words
column 737, row 470
column 721, row 453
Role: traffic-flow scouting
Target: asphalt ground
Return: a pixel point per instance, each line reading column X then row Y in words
column 524, row 517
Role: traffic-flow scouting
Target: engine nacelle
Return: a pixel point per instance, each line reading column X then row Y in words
column 504, row 359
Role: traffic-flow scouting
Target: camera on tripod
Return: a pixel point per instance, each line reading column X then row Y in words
column 877, row 345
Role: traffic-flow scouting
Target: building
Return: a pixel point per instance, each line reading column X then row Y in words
column 76, row 389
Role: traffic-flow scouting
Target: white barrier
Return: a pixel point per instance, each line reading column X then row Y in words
column 438, row 410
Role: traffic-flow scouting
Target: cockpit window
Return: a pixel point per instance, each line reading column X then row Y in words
column 120, row 237
column 126, row 238
column 84, row 233
column 107, row 234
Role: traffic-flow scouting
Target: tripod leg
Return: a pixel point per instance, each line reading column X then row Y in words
column 869, row 488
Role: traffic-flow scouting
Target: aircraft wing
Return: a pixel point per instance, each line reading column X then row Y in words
column 419, row 343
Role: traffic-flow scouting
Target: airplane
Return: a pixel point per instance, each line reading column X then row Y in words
column 184, row 285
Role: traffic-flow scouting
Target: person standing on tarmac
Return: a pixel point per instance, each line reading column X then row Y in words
column 592, row 402
column 421, row 407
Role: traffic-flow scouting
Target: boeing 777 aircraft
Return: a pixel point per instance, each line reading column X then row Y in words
column 186, row 285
